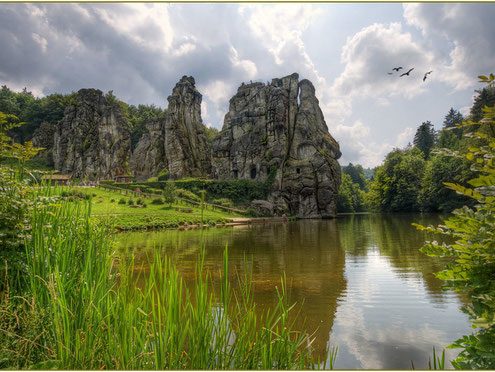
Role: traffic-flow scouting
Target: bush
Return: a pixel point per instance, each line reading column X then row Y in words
column 112, row 200
column 169, row 193
column 224, row 202
column 186, row 194
column 130, row 202
column 121, row 201
column 157, row 201
column 163, row 175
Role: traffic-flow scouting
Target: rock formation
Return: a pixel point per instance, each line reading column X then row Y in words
column 178, row 143
column 277, row 132
column 43, row 137
column 92, row 140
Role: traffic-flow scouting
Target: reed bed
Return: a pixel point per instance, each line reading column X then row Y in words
column 83, row 310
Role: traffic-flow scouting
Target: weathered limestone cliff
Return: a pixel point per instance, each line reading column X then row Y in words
column 277, row 131
column 92, row 140
column 178, row 143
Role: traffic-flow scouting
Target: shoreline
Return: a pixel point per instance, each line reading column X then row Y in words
column 238, row 221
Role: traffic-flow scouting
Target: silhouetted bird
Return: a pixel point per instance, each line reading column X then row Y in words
column 397, row 68
column 390, row 73
column 407, row 73
column 429, row 72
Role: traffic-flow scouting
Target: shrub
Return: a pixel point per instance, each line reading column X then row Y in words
column 186, row 194
column 169, row 193
column 163, row 175
column 225, row 202
column 130, row 202
column 157, row 201
column 112, row 200
column 121, row 201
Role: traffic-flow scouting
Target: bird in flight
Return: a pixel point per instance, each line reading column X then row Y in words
column 390, row 73
column 407, row 73
column 397, row 68
column 429, row 72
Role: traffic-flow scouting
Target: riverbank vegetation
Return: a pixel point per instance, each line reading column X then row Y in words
column 469, row 241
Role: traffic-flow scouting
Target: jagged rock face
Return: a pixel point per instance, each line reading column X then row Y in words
column 277, row 131
column 178, row 143
column 43, row 137
column 92, row 140
column 149, row 156
column 186, row 144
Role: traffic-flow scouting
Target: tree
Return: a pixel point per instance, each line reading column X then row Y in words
column 351, row 197
column 433, row 195
column 169, row 194
column 424, row 139
column 469, row 245
column 396, row 183
column 452, row 119
column 356, row 172
column 485, row 97
column 139, row 116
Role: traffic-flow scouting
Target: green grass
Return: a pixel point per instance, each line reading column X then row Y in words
column 83, row 309
column 124, row 217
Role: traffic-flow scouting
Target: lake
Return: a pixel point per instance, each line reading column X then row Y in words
column 359, row 282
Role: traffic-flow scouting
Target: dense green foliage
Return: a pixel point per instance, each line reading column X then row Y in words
column 396, row 184
column 239, row 191
column 31, row 110
column 351, row 190
column 15, row 204
column 140, row 115
column 424, row 139
column 470, row 245
column 412, row 179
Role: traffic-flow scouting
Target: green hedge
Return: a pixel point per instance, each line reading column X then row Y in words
column 240, row 191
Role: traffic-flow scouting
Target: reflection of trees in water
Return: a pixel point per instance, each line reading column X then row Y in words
column 308, row 252
column 396, row 239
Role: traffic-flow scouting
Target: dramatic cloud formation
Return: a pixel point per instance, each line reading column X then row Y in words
column 141, row 50
column 468, row 28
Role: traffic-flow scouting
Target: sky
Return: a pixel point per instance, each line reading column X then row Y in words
column 140, row 51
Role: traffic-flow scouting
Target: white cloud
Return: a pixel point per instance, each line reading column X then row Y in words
column 247, row 67
column 467, row 28
column 146, row 24
column 42, row 42
column 371, row 53
column 405, row 137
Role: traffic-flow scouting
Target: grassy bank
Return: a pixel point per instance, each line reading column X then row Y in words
column 82, row 310
column 128, row 212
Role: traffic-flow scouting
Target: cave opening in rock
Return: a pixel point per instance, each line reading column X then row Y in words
column 298, row 170
column 253, row 172
column 236, row 173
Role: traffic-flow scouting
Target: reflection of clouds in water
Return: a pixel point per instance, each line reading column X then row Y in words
column 385, row 323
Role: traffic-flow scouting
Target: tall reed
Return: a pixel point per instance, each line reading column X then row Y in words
column 97, row 317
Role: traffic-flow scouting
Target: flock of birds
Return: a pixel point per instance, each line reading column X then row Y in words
column 397, row 69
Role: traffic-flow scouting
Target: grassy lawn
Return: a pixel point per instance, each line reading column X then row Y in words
column 106, row 207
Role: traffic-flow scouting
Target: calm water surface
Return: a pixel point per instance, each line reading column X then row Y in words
column 360, row 281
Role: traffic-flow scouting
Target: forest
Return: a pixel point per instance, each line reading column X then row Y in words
column 412, row 179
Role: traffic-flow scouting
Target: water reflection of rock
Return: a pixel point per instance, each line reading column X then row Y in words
column 308, row 252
